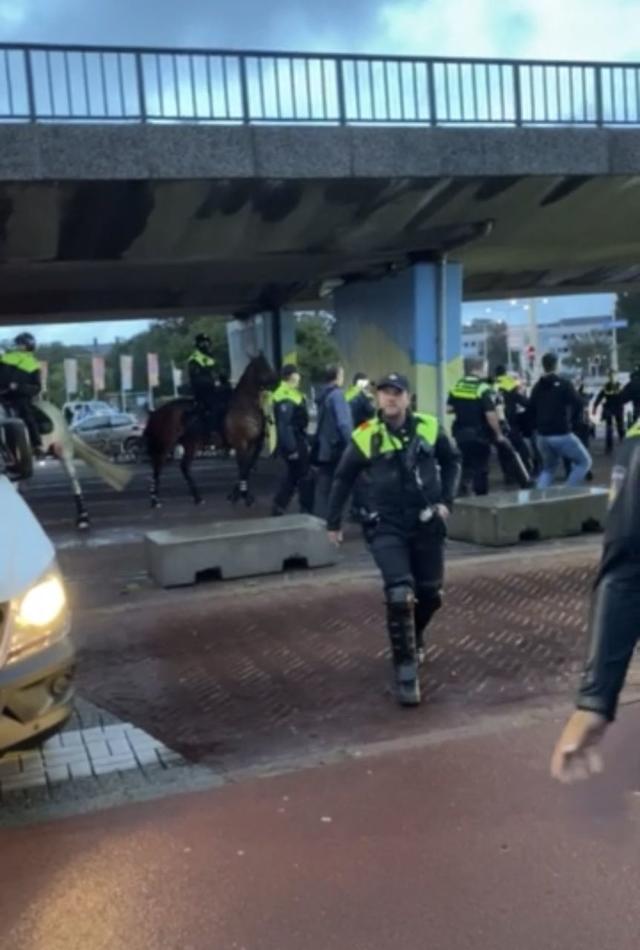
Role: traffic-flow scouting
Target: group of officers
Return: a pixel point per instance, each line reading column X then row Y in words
column 403, row 473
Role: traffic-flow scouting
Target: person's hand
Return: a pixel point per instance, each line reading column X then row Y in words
column 13, row 386
column 335, row 537
column 576, row 755
column 442, row 511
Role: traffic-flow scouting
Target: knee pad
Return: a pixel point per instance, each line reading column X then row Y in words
column 400, row 598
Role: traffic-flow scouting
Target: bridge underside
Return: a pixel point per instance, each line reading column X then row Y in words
column 75, row 247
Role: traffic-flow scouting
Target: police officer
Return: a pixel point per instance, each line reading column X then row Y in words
column 476, row 426
column 516, row 406
column 414, row 472
column 203, row 382
column 20, row 383
column 631, row 393
column 614, row 622
column 292, row 445
column 612, row 410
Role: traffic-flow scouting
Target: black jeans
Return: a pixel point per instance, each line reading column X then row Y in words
column 297, row 477
column 23, row 406
column 476, row 454
column 413, row 560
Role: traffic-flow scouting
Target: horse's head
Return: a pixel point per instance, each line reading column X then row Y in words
column 260, row 374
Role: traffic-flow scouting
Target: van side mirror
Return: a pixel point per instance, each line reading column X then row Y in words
column 16, row 458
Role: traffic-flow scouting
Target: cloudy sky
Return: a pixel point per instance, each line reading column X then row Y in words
column 566, row 29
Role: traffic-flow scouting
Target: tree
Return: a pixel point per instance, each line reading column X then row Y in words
column 497, row 345
column 590, row 353
column 628, row 308
column 316, row 347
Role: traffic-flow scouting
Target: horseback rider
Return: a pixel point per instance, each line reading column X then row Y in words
column 20, row 383
column 204, row 382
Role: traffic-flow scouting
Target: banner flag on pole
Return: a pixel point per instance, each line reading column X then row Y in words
column 44, row 374
column 126, row 372
column 71, row 376
column 153, row 372
column 97, row 370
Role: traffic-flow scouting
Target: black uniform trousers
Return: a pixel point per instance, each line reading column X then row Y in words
column 298, row 477
column 413, row 560
column 611, row 418
column 24, row 408
column 476, row 455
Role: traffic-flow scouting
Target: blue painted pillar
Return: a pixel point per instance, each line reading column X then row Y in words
column 393, row 324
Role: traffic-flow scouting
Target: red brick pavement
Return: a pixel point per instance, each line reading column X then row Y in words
column 246, row 675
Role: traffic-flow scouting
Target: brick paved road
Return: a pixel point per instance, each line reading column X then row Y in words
column 236, row 676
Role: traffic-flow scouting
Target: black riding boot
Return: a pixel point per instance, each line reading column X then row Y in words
column 402, row 634
column 427, row 602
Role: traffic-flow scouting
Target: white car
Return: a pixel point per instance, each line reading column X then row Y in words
column 76, row 410
column 36, row 654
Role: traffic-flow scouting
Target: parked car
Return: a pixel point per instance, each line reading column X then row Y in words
column 36, row 654
column 114, row 434
column 79, row 409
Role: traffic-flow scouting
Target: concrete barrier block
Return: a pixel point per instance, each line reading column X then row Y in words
column 505, row 518
column 233, row 549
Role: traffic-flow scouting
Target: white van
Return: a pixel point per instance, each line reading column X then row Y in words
column 36, row 654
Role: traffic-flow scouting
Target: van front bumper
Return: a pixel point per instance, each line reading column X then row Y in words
column 36, row 694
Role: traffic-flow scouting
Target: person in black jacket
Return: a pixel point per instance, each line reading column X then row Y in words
column 414, row 470
column 614, row 622
column 292, row 419
column 630, row 393
column 554, row 406
column 612, row 410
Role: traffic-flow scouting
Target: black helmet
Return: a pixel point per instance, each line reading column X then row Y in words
column 203, row 341
column 27, row 340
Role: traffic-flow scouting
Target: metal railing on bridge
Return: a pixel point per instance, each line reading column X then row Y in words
column 106, row 84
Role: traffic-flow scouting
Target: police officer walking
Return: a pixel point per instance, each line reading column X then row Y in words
column 516, row 406
column 20, row 383
column 612, row 410
column 414, row 472
column 614, row 622
column 476, row 426
column 292, row 446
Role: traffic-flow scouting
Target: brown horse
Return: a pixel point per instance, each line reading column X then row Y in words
column 240, row 425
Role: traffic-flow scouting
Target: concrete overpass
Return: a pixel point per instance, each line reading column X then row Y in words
column 150, row 182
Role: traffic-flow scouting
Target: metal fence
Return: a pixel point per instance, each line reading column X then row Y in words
column 106, row 84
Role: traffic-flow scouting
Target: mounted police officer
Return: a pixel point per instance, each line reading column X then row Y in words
column 414, row 471
column 614, row 622
column 20, row 383
column 292, row 444
column 204, row 383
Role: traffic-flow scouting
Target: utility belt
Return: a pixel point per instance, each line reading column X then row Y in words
column 371, row 519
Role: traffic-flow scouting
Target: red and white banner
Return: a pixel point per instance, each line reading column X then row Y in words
column 71, row 376
column 153, row 371
column 97, row 371
column 126, row 373
column 44, row 375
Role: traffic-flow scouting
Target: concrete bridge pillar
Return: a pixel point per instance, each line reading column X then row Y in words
column 411, row 323
column 272, row 333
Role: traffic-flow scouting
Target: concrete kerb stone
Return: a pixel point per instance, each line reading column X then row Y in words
column 232, row 549
column 505, row 518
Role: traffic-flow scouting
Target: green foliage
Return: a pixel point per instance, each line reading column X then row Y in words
column 628, row 308
column 316, row 347
column 590, row 353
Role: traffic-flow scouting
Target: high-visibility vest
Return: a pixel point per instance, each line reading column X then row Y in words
column 21, row 359
column 375, row 438
column 287, row 393
column 207, row 362
column 470, row 387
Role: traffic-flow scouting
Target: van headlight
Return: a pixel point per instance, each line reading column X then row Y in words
column 39, row 617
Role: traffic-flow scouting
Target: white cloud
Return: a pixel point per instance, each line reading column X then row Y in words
column 537, row 29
